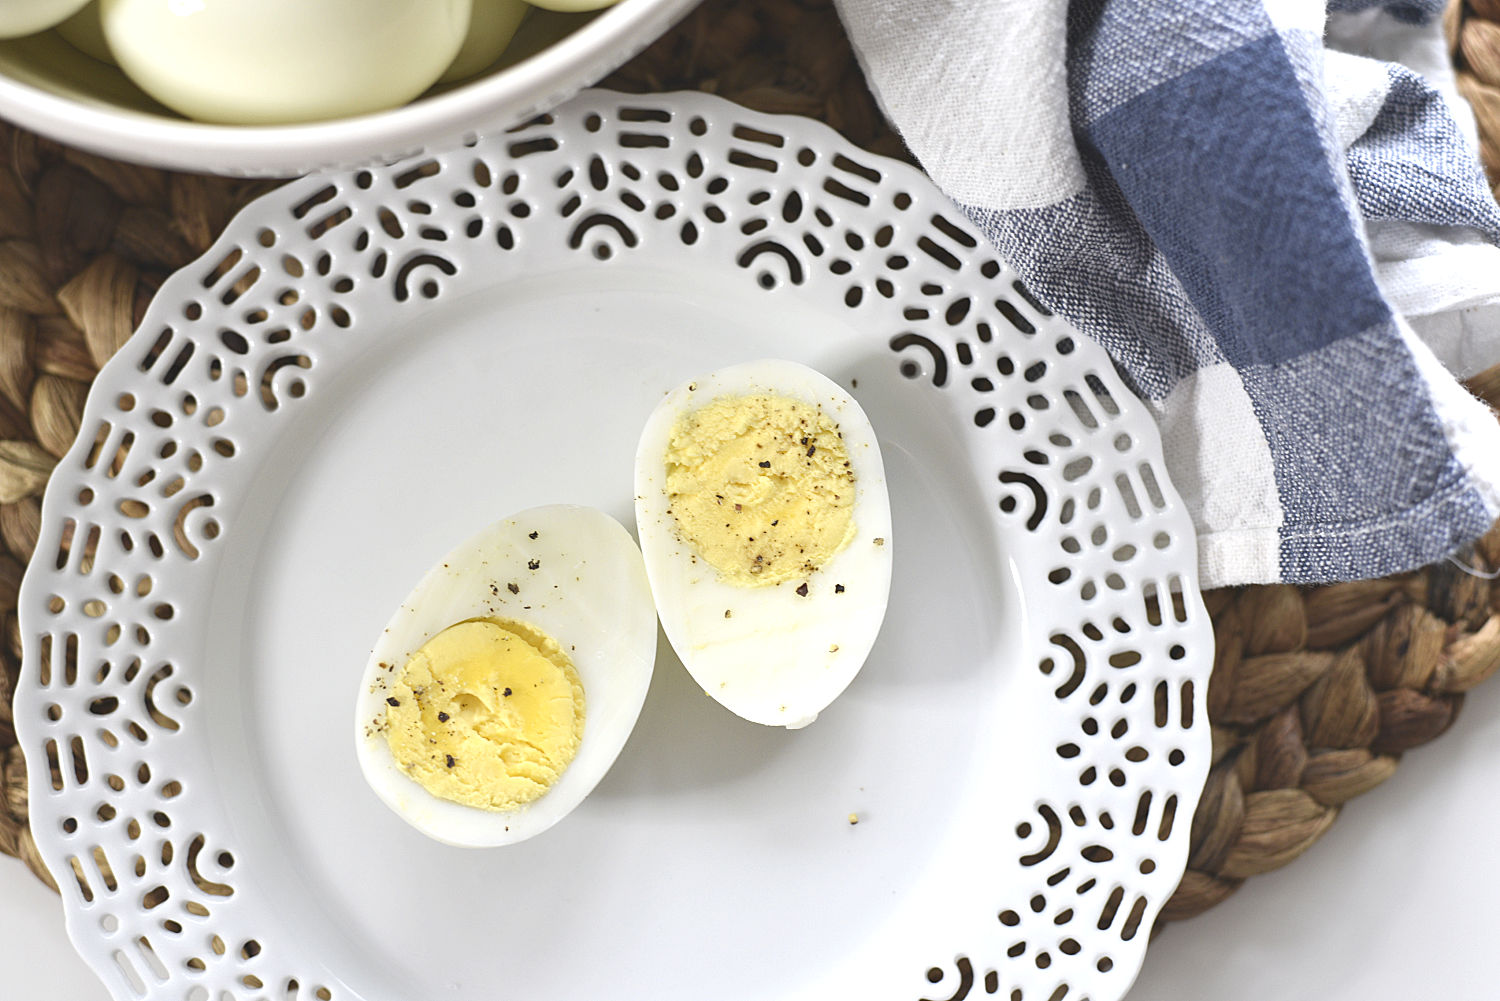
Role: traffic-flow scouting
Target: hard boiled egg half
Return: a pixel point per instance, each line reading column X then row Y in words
column 506, row 684
column 763, row 517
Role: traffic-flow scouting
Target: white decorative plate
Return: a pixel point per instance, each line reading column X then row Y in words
column 368, row 366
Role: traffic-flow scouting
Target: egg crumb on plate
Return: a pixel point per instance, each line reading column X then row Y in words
column 486, row 713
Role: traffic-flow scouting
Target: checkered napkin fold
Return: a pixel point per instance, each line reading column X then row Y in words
column 1270, row 213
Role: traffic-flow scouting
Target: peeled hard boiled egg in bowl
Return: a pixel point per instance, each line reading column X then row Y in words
column 23, row 17
column 764, row 521
column 506, row 683
column 288, row 86
column 270, row 61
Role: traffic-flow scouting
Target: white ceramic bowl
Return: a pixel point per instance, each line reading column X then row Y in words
column 51, row 88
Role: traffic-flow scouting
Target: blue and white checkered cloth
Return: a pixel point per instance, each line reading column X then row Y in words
column 1270, row 213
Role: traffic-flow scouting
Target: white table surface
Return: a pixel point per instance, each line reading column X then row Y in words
column 1397, row 901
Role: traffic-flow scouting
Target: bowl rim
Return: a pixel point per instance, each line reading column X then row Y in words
column 494, row 102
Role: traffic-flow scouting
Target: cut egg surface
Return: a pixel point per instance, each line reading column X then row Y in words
column 507, row 682
column 764, row 521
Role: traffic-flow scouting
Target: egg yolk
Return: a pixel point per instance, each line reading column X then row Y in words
column 761, row 487
column 487, row 713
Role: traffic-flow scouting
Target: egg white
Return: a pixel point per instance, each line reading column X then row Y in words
column 492, row 24
column 779, row 657
column 588, row 591
column 85, row 32
column 283, row 61
column 26, row 17
column 572, row 6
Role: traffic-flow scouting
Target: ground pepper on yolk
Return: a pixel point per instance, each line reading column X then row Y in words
column 487, row 713
column 761, row 487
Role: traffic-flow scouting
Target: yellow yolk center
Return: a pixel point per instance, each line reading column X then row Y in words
column 761, row 486
column 486, row 713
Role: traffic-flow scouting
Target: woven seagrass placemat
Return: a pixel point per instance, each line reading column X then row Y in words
column 1316, row 693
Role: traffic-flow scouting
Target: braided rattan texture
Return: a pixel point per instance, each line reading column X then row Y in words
column 1474, row 40
column 1316, row 693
